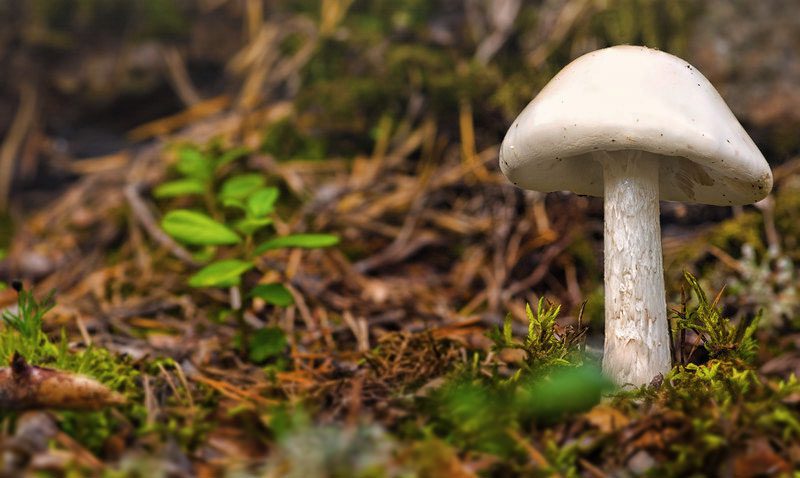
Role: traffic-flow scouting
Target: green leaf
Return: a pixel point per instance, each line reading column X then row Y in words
column 205, row 254
column 275, row 294
column 220, row 274
column 262, row 202
column 566, row 390
column 249, row 225
column 508, row 333
column 306, row 241
column 196, row 228
column 234, row 203
column 240, row 187
column 266, row 343
column 180, row 187
column 194, row 164
column 230, row 156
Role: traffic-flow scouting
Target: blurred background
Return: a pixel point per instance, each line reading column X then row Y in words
column 81, row 75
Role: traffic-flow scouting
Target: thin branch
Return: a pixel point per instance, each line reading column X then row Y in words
column 143, row 215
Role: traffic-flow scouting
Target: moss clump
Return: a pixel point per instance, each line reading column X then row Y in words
column 381, row 57
column 720, row 338
column 662, row 24
column 706, row 415
column 543, row 346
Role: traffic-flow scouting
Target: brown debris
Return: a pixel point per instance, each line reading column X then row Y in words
column 607, row 418
column 27, row 387
column 759, row 459
column 400, row 363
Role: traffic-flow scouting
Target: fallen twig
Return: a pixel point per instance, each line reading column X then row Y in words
column 146, row 219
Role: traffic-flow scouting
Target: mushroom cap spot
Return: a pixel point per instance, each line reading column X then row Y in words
column 635, row 98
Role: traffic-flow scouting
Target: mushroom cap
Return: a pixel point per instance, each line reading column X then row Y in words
column 635, row 98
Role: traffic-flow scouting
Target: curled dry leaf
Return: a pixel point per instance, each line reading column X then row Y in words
column 26, row 387
column 607, row 418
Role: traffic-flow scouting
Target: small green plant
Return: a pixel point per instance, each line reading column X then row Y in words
column 232, row 226
column 238, row 209
column 23, row 327
column 543, row 345
column 720, row 337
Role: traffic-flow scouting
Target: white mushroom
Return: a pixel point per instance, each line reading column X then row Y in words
column 633, row 125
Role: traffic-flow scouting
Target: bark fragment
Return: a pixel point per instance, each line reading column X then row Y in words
column 27, row 387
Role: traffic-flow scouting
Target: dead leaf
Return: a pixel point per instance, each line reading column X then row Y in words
column 607, row 418
column 759, row 459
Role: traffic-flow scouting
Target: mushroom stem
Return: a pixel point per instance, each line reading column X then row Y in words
column 636, row 331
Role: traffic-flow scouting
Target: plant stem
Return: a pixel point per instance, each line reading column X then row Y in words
column 210, row 199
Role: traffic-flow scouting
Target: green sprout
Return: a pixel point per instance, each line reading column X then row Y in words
column 231, row 226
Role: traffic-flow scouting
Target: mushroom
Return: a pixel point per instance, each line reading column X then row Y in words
column 634, row 125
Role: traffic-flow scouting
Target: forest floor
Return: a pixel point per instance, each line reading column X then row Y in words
column 279, row 235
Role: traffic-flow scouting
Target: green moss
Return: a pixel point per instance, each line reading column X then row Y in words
column 720, row 337
column 594, row 311
column 718, row 406
column 743, row 229
column 387, row 55
column 543, row 346
column 787, row 216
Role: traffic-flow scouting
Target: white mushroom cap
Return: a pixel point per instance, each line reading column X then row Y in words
column 635, row 98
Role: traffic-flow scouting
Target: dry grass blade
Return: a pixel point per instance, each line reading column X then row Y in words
column 170, row 124
column 179, row 76
column 26, row 114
